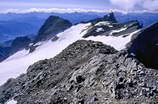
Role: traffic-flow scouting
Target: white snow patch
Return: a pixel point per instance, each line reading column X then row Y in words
column 118, row 43
column 133, row 54
column 110, row 26
column 19, row 54
column 117, row 31
column 99, row 30
column 102, row 23
column 12, row 102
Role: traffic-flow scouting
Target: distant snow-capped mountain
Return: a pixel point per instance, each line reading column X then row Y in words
column 50, row 48
column 71, row 10
column 17, row 23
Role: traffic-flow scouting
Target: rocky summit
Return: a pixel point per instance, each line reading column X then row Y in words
column 108, row 26
column 86, row 72
column 52, row 26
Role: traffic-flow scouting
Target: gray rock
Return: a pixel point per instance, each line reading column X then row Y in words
column 108, row 26
column 86, row 72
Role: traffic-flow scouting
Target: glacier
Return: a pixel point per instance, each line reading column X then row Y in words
column 20, row 61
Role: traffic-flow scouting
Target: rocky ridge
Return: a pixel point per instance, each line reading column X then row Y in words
column 89, row 72
column 145, row 45
column 108, row 26
column 86, row 72
column 52, row 26
column 17, row 44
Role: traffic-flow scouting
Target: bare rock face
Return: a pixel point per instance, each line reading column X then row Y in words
column 4, row 52
column 86, row 72
column 145, row 46
column 108, row 26
column 52, row 26
column 109, row 17
column 18, row 44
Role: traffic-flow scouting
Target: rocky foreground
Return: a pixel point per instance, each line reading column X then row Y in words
column 86, row 72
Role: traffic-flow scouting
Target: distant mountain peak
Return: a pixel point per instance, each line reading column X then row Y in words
column 52, row 26
column 108, row 26
column 110, row 17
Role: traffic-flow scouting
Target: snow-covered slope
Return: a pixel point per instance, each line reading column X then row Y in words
column 12, row 102
column 118, row 43
column 15, row 65
column 19, row 62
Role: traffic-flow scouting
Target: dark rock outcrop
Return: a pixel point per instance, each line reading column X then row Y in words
column 109, row 26
column 86, row 72
column 145, row 46
column 20, row 43
column 4, row 52
column 51, row 27
column 109, row 17
column 17, row 44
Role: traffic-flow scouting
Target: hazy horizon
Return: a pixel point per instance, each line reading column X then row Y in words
column 82, row 4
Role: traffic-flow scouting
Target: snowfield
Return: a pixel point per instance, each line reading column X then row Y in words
column 11, row 102
column 118, row 43
column 20, row 61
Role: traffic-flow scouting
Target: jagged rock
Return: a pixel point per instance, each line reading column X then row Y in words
column 145, row 46
column 109, row 17
column 86, row 72
column 109, row 27
column 7, row 90
column 51, row 27
column 19, row 43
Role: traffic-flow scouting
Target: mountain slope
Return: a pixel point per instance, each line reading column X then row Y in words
column 109, row 17
column 50, row 48
column 76, row 69
column 4, row 52
column 85, row 72
column 43, row 50
column 107, row 28
column 17, row 44
column 144, row 45
column 46, row 50
column 33, row 21
column 51, row 27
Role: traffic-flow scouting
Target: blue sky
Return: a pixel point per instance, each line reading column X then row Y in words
column 92, row 4
column 84, row 4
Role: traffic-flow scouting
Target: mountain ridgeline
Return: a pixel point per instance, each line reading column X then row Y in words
column 51, row 27
column 145, row 45
column 90, row 72
column 109, row 17
column 17, row 44
column 85, row 72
